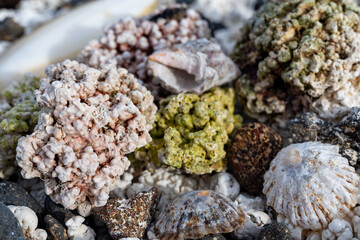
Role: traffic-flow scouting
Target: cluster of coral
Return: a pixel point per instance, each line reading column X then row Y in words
column 298, row 56
column 190, row 131
column 145, row 130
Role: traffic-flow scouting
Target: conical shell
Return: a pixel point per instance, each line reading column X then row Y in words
column 311, row 184
column 198, row 213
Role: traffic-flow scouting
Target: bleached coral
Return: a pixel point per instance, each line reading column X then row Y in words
column 254, row 220
column 29, row 222
column 311, row 184
column 172, row 184
column 226, row 184
column 76, row 230
column 89, row 120
column 129, row 42
column 247, row 202
column 337, row 229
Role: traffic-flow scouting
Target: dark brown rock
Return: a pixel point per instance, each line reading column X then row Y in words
column 9, row 3
column 274, row 231
column 310, row 127
column 130, row 217
column 10, row 30
column 55, row 230
column 251, row 151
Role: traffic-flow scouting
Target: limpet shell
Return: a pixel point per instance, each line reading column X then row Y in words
column 311, row 184
column 198, row 213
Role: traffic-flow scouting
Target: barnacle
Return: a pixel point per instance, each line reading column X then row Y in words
column 190, row 131
column 18, row 117
column 300, row 55
column 89, row 120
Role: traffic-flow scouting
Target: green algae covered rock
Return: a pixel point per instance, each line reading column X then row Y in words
column 297, row 55
column 190, row 131
column 18, row 117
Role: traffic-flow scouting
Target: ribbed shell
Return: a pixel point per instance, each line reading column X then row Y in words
column 198, row 213
column 311, row 184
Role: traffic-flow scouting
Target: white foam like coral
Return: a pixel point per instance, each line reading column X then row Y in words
column 89, row 120
column 172, row 184
column 78, row 231
column 28, row 221
column 344, row 89
column 311, row 184
column 337, row 229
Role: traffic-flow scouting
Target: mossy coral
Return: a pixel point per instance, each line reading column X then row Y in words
column 190, row 131
column 298, row 55
column 18, row 117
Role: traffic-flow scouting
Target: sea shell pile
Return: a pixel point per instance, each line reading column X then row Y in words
column 164, row 119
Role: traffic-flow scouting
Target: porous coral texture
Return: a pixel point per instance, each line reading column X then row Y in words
column 337, row 229
column 311, row 184
column 18, row 117
column 129, row 42
column 79, row 231
column 190, row 131
column 305, row 55
column 89, row 120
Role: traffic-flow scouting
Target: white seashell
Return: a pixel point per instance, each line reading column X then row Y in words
column 65, row 37
column 194, row 66
column 311, row 184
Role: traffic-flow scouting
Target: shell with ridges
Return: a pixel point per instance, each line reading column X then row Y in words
column 198, row 213
column 311, row 184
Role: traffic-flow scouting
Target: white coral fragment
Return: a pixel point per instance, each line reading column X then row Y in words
column 79, row 231
column 89, row 120
column 195, row 66
column 311, row 184
column 226, row 184
column 28, row 221
column 254, row 221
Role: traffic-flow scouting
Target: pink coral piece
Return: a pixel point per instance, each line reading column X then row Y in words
column 89, row 120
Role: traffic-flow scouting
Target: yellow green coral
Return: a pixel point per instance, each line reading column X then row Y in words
column 18, row 117
column 190, row 131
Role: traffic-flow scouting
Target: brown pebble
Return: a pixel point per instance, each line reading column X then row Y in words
column 130, row 217
column 55, row 230
column 252, row 149
column 10, row 30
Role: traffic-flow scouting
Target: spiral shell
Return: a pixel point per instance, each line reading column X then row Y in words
column 311, row 184
column 198, row 213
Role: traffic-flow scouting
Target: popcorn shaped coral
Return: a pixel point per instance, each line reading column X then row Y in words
column 190, row 131
column 18, row 117
column 305, row 54
column 129, row 42
column 89, row 120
